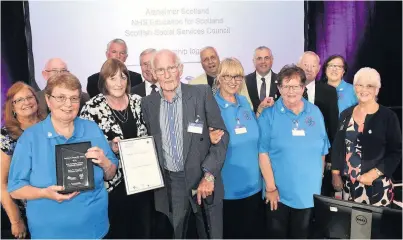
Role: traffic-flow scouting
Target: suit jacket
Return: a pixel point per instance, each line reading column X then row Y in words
column 139, row 89
column 92, row 84
column 198, row 152
column 43, row 106
column 202, row 79
column 252, row 89
column 326, row 100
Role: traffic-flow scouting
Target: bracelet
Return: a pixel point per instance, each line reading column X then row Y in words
column 272, row 190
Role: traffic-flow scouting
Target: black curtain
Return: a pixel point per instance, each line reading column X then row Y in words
column 380, row 49
column 13, row 42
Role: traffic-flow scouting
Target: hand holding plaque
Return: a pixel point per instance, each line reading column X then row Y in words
column 74, row 171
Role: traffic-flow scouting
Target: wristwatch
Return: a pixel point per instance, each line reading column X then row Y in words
column 209, row 177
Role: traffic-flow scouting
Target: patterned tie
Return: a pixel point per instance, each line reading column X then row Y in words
column 305, row 94
column 263, row 90
column 153, row 86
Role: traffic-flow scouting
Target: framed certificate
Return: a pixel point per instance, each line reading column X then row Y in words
column 73, row 170
column 140, row 165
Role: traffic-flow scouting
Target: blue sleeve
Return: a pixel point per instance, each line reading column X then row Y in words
column 326, row 143
column 21, row 162
column 264, row 122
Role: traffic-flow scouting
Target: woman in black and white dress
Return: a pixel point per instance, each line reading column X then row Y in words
column 118, row 114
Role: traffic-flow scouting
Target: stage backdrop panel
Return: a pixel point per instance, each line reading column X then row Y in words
column 78, row 31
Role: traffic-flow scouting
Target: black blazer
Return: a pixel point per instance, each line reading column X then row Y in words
column 326, row 100
column 381, row 142
column 92, row 84
column 139, row 89
column 251, row 85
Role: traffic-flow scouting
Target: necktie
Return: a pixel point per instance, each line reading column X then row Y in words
column 305, row 94
column 263, row 90
column 153, row 88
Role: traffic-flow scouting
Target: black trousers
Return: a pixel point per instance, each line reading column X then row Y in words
column 6, row 226
column 327, row 187
column 244, row 218
column 130, row 216
column 287, row 222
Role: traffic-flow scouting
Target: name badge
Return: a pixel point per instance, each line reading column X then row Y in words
column 195, row 127
column 240, row 129
column 298, row 132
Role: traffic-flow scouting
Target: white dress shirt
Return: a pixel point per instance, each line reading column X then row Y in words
column 311, row 91
column 260, row 82
column 149, row 88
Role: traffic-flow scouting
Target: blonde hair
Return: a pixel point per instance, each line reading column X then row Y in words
column 370, row 74
column 231, row 66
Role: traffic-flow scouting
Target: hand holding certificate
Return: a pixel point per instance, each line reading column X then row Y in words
column 140, row 165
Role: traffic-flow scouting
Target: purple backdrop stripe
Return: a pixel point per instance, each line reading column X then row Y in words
column 340, row 29
column 5, row 85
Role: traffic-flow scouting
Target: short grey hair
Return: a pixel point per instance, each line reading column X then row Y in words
column 208, row 47
column 147, row 51
column 177, row 59
column 262, row 48
column 310, row 53
column 116, row 40
column 368, row 73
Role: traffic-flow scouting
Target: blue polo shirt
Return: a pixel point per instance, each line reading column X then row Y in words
column 346, row 96
column 240, row 173
column 296, row 160
column 33, row 163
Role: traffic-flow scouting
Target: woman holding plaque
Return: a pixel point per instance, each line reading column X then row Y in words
column 33, row 177
column 118, row 114
column 21, row 111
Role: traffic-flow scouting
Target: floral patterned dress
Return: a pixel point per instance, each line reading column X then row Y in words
column 7, row 145
column 381, row 191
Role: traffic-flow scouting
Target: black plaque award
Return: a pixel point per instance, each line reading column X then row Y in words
column 73, row 170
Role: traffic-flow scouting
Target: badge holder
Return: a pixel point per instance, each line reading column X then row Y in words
column 239, row 128
column 296, row 131
column 196, row 126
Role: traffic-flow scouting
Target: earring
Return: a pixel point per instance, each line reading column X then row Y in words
column 14, row 114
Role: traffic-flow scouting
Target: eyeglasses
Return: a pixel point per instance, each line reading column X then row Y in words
column 288, row 87
column 171, row 69
column 337, row 67
column 228, row 78
column 209, row 59
column 62, row 99
column 20, row 101
column 367, row 87
column 57, row 71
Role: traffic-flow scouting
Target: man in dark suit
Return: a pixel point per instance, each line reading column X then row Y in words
column 115, row 49
column 262, row 83
column 179, row 118
column 325, row 97
column 150, row 85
